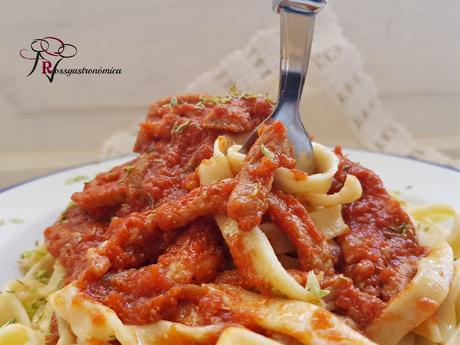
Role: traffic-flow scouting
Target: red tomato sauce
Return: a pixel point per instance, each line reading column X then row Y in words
column 381, row 249
column 141, row 238
column 379, row 252
column 248, row 201
column 290, row 215
column 52, row 337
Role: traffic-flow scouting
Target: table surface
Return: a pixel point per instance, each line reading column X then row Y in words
column 412, row 52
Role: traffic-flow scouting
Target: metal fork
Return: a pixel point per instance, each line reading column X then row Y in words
column 297, row 24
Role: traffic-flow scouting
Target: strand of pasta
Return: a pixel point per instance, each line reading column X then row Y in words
column 302, row 321
column 442, row 325
column 431, row 222
column 26, row 312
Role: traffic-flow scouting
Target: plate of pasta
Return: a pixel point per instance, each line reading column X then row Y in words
column 191, row 241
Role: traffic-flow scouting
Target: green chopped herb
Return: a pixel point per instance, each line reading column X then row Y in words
column 225, row 99
column 62, row 219
column 267, row 153
column 9, row 322
column 34, row 252
column 17, row 220
column 314, row 288
column 39, row 317
column 200, row 105
column 21, row 283
column 76, row 179
column 128, row 169
column 10, row 291
column 35, row 306
column 179, row 128
column 212, row 100
column 42, row 276
column 401, row 228
column 173, row 102
column 249, row 95
column 215, row 100
column 233, row 91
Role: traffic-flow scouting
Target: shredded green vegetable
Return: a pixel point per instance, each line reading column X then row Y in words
column 233, row 91
column 9, row 322
column 173, row 102
column 267, row 153
column 314, row 288
column 128, row 169
column 42, row 276
column 33, row 307
column 180, row 127
column 31, row 257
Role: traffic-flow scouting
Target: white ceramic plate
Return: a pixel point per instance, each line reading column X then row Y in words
column 27, row 209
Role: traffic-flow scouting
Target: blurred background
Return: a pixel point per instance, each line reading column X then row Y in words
column 412, row 51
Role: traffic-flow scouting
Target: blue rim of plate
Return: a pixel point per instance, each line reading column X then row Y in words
column 443, row 166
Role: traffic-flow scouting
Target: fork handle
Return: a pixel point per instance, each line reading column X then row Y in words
column 297, row 24
column 306, row 6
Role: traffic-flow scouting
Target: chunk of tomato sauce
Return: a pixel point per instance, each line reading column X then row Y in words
column 380, row 250
column 71, row 236
column 249, row 199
